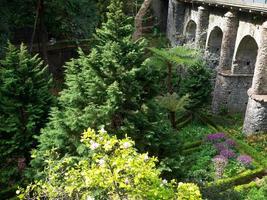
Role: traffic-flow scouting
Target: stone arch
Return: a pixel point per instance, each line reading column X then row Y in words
column 190, row 31
column 246, row 56
column 215, row 41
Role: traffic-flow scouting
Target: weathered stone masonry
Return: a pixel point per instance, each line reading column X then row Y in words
column 238, row 35
column 256, row 115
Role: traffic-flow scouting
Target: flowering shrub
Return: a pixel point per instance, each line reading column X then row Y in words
column 220, row 163
column 188, row 191
column 227, row 162
column 215, row 137
column 220, row 146
column 110, row 169
column 228, row 153
column 245, row 160
column 230, row 143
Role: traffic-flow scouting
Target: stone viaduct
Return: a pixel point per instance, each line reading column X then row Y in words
column 236, row 31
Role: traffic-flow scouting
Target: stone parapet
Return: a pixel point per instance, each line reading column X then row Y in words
column 230, row 92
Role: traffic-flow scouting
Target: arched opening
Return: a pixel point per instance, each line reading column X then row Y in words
column 215, row 41
column 190, row 33
column 246, row 56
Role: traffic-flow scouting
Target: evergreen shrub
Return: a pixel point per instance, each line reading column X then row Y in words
column 25, row 100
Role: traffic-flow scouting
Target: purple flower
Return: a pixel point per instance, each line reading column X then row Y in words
column 230, row 143
column 244, row 159
column 215, row 137
column 220, row 146
column 228, row 153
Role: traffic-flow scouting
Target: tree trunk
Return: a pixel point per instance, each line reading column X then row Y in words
column 43, row 32
column 139, row 18
column 35, row 24
column 170, row 87
column 172, row 115
column 173, row 119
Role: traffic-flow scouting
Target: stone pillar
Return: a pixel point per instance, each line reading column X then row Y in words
column 202, row 27
column 228, row 41
column 175, row 21
column 230, row 92
column 256, row 114
column 160, row 11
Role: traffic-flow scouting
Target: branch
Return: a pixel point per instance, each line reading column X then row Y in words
column 138, row 19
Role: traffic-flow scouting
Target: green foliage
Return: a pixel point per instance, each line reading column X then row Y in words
column 111, row 169
column 178, row 56
column 195, row 82
column 193, row 132
column 258, row 193
column 172, row 103
column 71, row 18
column 25, row 100
column 3, row 27
column 187, row 75
column 188, row 191
column 109, row 86
column 68, row 19
column 198, row 166
column 224, row 184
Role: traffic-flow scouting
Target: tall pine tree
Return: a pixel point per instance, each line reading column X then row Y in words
column 25, row 99
column 108, row 87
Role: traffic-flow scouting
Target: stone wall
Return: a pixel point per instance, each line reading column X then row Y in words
column 235, row 34
column 230, row 93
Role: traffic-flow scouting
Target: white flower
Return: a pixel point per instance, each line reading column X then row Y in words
column 101, row 162
column 164, row 181
column 102, row 130
column 180, row 184
column 127, row 181
column 90, row 198
column 94, row 145
column 146, row 157
column 126, row 145
column 17, row 191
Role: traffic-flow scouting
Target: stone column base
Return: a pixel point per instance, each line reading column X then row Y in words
column 230, row 92
column 256, row 114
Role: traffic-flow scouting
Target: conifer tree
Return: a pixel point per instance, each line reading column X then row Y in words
column 108, row 87
column 25, row 99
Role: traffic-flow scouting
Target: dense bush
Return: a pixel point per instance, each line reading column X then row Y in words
column 187, row 79
column 109, row 86
column 258, row 193
column 196, row 83
column 25, row 100
column 188, row 191
column 110, row 168
column 68, row 19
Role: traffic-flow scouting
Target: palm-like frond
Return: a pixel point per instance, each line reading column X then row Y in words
column 178, row 55
column 173, row 102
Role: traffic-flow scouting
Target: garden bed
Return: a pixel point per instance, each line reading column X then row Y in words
column 218, row 160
